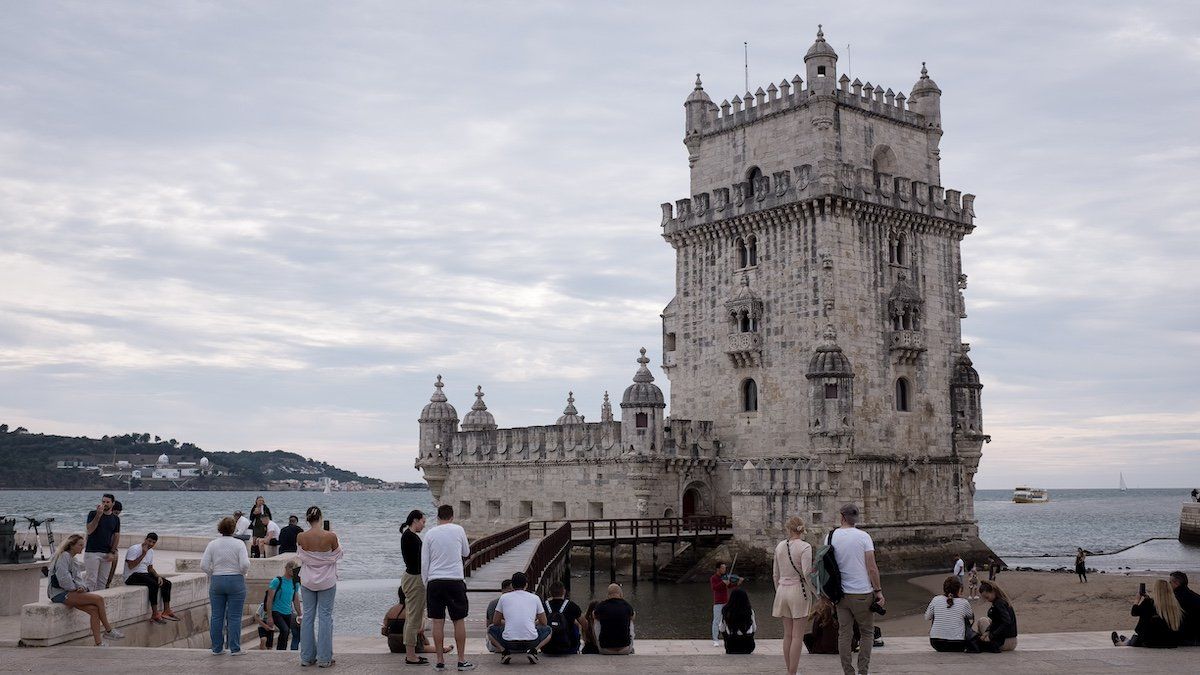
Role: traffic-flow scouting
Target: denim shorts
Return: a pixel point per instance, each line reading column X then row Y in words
column 60, row 598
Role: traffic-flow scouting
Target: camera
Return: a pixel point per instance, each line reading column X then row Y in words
column 877, row 609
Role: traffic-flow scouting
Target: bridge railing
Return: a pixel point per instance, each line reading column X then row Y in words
column 545, row 557
column 638, row 528
column 487, row 549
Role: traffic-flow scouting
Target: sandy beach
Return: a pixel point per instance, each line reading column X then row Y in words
column 1045, row 602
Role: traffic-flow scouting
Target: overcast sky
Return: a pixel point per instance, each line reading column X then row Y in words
column 270, row 225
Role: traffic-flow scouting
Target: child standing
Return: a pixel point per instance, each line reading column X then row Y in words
column 973, row 583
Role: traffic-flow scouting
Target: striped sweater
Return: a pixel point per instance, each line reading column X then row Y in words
column 949, row 623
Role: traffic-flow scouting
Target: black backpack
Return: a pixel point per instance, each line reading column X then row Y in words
column 560, row 630
column 826, row 575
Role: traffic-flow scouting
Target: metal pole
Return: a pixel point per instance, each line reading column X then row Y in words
column 612, row 563
column 635, row 562
column 592, row 567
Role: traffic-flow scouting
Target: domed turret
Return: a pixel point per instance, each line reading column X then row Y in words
column 966, row 395
column 926, row 99
column 828, row 360
column 570, row 414
column 479, row 419
column 830, row 391
column 439, row 408
column 821, row 63
column 643, row 391
column 697, row 108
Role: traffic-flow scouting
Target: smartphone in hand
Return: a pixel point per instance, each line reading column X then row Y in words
column 1142, row 589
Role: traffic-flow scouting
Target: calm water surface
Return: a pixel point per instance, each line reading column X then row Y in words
column 367, row 523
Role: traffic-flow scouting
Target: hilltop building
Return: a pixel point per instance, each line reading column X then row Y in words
column 813, row 344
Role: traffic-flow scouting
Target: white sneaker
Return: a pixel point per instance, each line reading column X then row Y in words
column 115, row 634
column 716, row 643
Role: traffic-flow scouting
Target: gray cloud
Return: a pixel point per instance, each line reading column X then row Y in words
column 272, row 225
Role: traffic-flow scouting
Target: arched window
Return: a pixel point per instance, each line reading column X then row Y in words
column 901, row 252
column 752, row 176
column 831, row 390
column 749, row 396
column 752, row 251
column 902, row 395
column 641, row 420
column 743, row 256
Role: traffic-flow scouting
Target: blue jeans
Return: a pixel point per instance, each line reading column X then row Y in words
column 716, row 623
column 227, row 596
column 316, row 643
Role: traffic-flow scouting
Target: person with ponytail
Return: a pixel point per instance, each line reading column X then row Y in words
column 411, row 585
column 998, row 630
column 66, row 587
column 950, row 615
column 1159, row 619
column 319, row 553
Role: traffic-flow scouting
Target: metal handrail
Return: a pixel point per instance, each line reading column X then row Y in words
column 637, row 527
column 547, row 553
column 487, row 549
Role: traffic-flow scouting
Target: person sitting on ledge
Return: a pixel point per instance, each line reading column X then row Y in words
column 950, row 614
column 519, row 623
column 614, row 623
column 1159, row 619
column 66, row 588
column 393, row 629
column 997, row 632
column 588, row 630
column 565, row 619
column 139, row 571
column 1189, row 602
column 505, row 588
column 737, row 623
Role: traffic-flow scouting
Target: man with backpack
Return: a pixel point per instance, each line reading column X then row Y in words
column 861, row 594
column 565, row 619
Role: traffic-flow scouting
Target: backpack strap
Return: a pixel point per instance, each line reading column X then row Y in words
column 803, row 583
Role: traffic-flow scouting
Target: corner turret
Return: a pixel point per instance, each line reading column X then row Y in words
column 642, row 409
column 926, row 99
column 438, row 423
column 479, row 419
column 821, row 64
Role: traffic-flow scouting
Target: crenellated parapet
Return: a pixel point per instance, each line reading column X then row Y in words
column 592, row 440
column 801, row 184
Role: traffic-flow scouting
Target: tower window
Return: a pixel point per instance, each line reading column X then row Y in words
column 820, row 71
column 902, row 395
column 752, row 176
column 749, row 396
column 743, row 255
column 831, row 390
column 641, row 421
column 669, row 342
column 752, row 251
column 900, row 250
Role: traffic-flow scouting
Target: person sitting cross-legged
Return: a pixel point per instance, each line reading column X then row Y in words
column 139, row 571
column 614, row 623
column 519, row 624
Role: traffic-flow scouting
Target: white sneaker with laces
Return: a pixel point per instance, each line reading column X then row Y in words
column 716, row 643
column 114, row 634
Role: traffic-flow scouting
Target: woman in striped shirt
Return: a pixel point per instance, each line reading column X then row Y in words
column 950, row 615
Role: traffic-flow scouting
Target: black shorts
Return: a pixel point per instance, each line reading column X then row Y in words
column 446, row 595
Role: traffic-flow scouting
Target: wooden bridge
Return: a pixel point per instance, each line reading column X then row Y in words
column 541, row 548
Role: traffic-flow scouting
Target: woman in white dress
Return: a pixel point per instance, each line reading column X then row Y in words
column 792, row 566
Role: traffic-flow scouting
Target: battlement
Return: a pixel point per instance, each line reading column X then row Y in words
column 802, row 184
column 750, row 108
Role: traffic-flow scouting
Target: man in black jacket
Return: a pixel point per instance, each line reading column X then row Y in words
column 1189, row 600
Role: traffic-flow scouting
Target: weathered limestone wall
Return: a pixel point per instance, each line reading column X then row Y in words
column 1189, row 523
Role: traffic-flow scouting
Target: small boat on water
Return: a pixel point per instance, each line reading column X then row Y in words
column 1124, row 488
column 1028, row 495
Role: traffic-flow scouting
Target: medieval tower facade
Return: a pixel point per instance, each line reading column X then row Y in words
column 816, row 329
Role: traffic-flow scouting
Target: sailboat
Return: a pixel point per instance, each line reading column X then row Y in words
column 327, row 490
column 1124, row 488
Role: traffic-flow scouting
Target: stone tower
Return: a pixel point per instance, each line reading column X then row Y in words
column 642, row 408
column 438, row 424
column 817, row 312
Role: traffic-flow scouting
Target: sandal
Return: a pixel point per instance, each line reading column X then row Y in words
column 421, row 661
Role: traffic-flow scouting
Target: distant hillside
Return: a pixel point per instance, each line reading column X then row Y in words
column 30, row 461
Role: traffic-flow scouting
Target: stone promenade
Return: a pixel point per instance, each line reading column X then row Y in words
column 1062, row 657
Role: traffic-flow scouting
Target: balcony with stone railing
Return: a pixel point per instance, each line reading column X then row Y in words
column 744, row 349
column 906, row 345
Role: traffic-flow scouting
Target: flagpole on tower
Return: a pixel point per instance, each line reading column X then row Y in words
column 746, row 56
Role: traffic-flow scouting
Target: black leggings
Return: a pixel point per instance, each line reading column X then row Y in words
column 941, row 645
column 151, row 582
column 283, row 624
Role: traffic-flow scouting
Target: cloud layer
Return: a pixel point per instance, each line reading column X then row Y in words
column 270, row 226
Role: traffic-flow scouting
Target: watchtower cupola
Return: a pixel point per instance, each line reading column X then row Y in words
column 821, row 64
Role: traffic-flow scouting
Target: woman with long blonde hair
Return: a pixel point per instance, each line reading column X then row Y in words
column 793, row 598
column 66, row 587
column 1159, row 617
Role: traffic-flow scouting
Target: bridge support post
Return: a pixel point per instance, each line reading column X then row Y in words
column 654, row 563
column 592, row 566
column 612, row 563
column 635, row 562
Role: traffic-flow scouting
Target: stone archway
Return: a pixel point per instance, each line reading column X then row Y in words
column 694, row 502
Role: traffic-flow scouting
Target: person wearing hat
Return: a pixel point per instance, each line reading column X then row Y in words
column 862, row 591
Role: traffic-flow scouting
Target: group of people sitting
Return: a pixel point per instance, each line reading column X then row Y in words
column 522, row 624
column 955, row 628
column 1168, row 615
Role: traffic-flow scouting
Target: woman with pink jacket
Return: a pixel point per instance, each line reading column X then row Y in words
column 319, row 554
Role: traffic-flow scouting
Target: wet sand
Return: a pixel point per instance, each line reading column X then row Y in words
column 1045, row 602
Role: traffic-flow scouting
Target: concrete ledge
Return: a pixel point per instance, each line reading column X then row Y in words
column 262, row 571
column 44, row 624
column 166, row 542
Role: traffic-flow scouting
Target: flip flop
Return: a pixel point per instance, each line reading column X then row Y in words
column 421, row 661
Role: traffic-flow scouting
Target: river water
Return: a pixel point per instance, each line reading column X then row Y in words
column 367, row 523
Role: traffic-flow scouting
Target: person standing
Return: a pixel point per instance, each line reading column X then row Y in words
column 287, row 536
column 260, row 515
column 1081, row 565
column 959, row 569
column 973, row 582
column 319, row 553
column 442, row 556
column 225, row 562
column 273, row 532
column 99, row 553
column 991, row 563
column 283, row 604
column 139, row 571
column 720, row 592
column 117, row 510
column 411, row 584
column 791, row 567
column 855, row 554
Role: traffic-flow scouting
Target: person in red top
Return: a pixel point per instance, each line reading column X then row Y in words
column 720, row 591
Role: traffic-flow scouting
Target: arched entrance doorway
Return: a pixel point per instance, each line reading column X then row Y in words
column 693, row 501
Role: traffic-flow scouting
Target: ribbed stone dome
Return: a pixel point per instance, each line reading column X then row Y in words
column 820, row 47
column 643, row 393
column 828, row 360
column 570, row 414
column 925, row 85
column 438, row 409
column 479, row 418
column 964, row 370
column 698, row 93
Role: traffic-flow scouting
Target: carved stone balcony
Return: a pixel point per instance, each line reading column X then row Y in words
column 744, row 349
column 906, row 345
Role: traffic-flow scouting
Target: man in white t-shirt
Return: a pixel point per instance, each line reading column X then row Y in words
column 443, row 550
column 272, row 538
column 519, row 623
column 855, row 553
column 242, row 529
column 958, row 569
column 139, row 571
